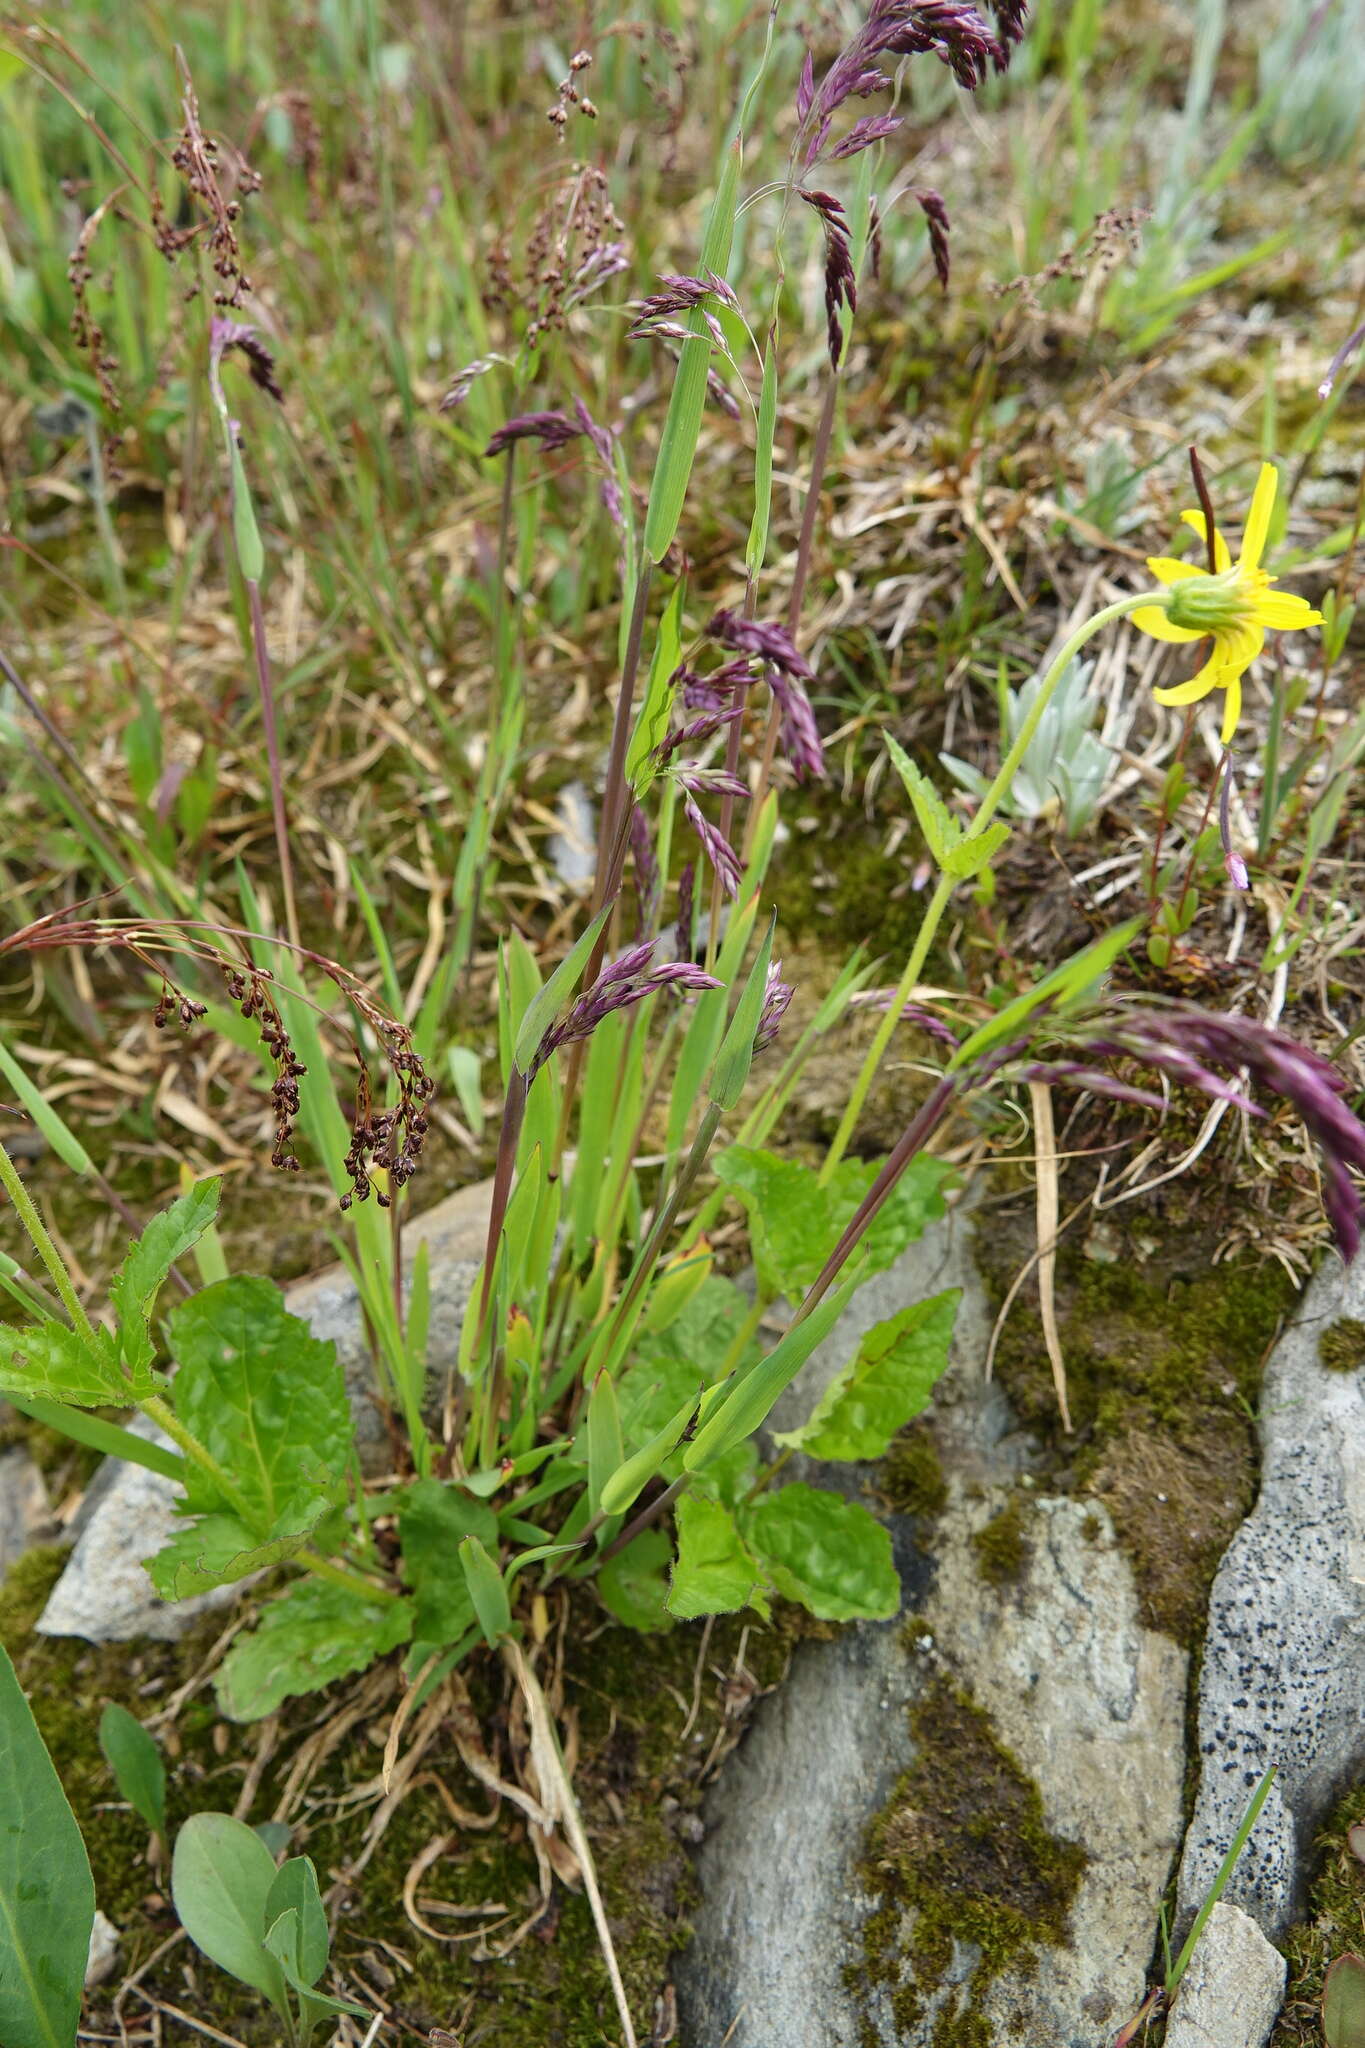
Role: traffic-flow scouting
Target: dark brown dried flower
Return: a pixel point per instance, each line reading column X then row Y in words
column 936, row 214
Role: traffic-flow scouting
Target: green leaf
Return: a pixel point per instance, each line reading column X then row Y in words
column 887, row 1383
column 545, row 1006
column 221, row 1875
column 263, row 1394
column 486, row 1589
column 794, row 1222
column 716, row 1572
column 678, row 443
column 133, row 1757
column 218, row 1549
column 1060, row 991
column 940, row 828
column 736, row 1054
column 245, row 532
column 53, row 1127
column 651, row 724
column 825, row 1552
column 135, row 1286
column 747, row 1404
column 433, row 1519
column 47, row 1896
column 634, row 1473
column 296, row 1890
column 1343, row 2003
column 971, row 855
column 48, row 1362
column 634, row 1584
column 315, row 1633
column 606, row 1452
column 763, row 462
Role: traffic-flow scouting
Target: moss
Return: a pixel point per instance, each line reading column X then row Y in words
column 960, row 1858
column 1341, row 1347
column 1002, row 1547
column 911, row 1476
column 1335, row 1922
column 1164, row 1354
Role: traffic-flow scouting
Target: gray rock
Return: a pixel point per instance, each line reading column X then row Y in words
column 1230, row 1996
column 25, row 1516
column 129, row 1513
column 1090, row 1702
column 1283, row 1679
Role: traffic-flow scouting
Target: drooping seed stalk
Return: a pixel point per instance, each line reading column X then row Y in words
column 938, row 902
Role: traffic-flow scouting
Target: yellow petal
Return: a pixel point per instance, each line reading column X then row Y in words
column 1258, row 518
column 1234, row 653
column 1232, row 709
column 1186, row 693
column 1150, row 618
column 1167, row 569
column 1221, row 558
column 1285, row 613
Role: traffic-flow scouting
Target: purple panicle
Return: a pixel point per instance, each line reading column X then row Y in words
column 872, row 128
column 715, row 846
column 551, row 429
column 682, row 943
column 226, row 335
column 776, row 1000
column 805, row 91
column 625, row 982
column 801, row 740
column 953, row 30
column 646, row 869
column 766, row 639
column 936, row 214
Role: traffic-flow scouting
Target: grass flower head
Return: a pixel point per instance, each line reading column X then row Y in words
column 1234, row 604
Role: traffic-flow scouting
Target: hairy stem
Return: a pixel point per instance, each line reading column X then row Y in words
column 26, row 1210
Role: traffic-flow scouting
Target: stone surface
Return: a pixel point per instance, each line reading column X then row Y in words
column 129, row 1513
column 25, row 1515
column 104, row 1941
column 1089, row 1701
column 1231, row 1993
column 1283, row 1679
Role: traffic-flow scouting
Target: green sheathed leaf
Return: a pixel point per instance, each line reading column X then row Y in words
column 678, row 444
column 763, row 462
column 606, row 1452
column 794, row 1222
column 633, row 1585
column 433, row 1520
column 218, row 1549
column 716, row 1572
column 47, row 1896
column 651, row 725
column 827, row 1553
column 888, row 1382
column 738, row 1413
column 1061, row 990
column 634, row 1473
column 736, row 1054
column 540, row 1013
column 263, row 1394
column 314, row 1634
column 246, row 533
column 492, row 1608
column 136, row 1763
column 221, row 1875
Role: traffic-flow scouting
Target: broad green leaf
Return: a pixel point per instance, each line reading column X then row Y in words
column 715, row 1572
column 263, row 1394
column 940, row 828
column 492, row 1608
column 794, row 1222
column 218, row 1549
column 541, row 1011
column 825, row 1552
column 135, row 1760
column 167, row 1238
column 315, row 1633
column 969, row 856
column 678, row 443
column 221, row 1875
column 433, row 1519
column 745, row 1406
column 652, row 720
column 634, row 1584
column 606, row 1452
column 296, row 1890
column 885, row 1385
column 47, row 1896
column 48, row 1362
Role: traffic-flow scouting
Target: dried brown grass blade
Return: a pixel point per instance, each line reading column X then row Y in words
column 1045, row 1147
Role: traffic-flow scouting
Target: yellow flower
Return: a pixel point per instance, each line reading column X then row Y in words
column 1234, row 607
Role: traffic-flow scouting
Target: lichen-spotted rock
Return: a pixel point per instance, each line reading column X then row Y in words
column 1283, row 1679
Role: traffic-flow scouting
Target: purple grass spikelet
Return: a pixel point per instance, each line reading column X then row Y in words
column 627, row 980
column 646, row 871
column 682, row 936
column 717, row 848
column 776, row 1001
column 936, row 214
column 551, row 429
column 765, row 639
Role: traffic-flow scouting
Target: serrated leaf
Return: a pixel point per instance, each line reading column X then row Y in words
column 264, row 1395
column 433, row 1519
column 940, row 828
column 48, row 1362
column 794, row 1222
column 314, row 1634
column 633, row 1585
column 971, row 855
column 715, row 1572
column 47, row 1896
column 135, row 1286
column 221, row 1876
column 827, row 1553
column 218, row 1550
column 133, row 1757
column 885, row 1385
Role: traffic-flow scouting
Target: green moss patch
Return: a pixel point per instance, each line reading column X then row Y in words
column 961, row 1858
column 1002, row 1547
column 1341, row 1347
column 911, row 1477
column 1334, row 1924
